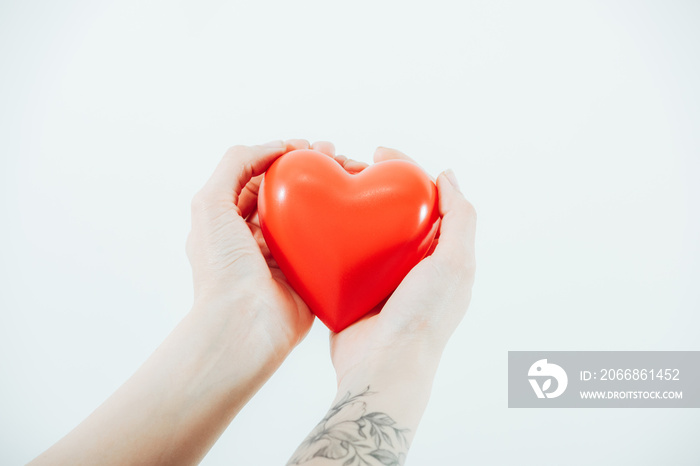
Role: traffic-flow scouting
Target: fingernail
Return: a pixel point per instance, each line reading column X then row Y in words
column 452, row 179
column 277, row 143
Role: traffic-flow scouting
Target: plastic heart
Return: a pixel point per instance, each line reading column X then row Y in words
column 345, row 241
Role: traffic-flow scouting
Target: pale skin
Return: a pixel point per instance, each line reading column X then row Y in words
column 246, row 319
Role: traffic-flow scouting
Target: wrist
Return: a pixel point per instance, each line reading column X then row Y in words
column 235, row 333
column 411, row 364
column 277, row 319
column 377, row 410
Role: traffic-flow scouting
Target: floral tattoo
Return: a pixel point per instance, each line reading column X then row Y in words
column 357, row 438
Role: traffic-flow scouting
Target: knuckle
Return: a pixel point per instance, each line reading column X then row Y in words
column 236, row 153
column 236, row 150
column 239, row 156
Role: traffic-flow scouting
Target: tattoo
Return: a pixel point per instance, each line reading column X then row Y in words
column 357, row 438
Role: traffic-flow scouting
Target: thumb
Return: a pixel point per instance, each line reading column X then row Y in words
column 455, row 248
column 238, row 166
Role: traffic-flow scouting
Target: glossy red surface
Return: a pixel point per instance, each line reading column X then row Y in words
column 346, row 241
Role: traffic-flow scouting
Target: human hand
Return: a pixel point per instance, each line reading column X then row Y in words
column 229, row 257
column 244, row 322
column 385, row 363
column 418, row 318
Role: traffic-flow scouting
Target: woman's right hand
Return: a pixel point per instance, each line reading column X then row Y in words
column 424, row 310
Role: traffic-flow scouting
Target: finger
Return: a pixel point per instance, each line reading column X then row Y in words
column 296, row 144
column 385, row 153
column 455, row 248
column 433, row 245
column 254, row 218
column 238, row 165
column 256, row 231
column 324, row 146
column 248, row 200
column 351, row 166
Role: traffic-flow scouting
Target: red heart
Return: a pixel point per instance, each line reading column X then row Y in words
column 345, row 241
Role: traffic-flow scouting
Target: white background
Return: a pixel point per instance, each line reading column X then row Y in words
column 573, row 128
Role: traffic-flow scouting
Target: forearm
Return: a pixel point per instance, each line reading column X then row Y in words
column 181, row 399
column 376, row 412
